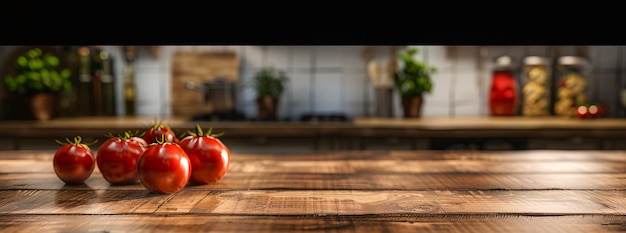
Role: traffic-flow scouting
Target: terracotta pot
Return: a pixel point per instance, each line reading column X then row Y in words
column 412, row 106
column 267, row 107
column 42, row 106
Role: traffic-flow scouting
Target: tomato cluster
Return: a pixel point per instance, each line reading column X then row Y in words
column 591, row 111
column 156, row 158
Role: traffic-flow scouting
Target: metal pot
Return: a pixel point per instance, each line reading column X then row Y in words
column 218, row 96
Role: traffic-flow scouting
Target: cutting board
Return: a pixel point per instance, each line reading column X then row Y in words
column 198, row 67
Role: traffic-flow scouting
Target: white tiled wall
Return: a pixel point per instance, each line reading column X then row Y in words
column 333, row 79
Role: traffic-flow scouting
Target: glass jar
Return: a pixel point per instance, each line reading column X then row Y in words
column 503, row 93
column 536, row 82
column 572, row 82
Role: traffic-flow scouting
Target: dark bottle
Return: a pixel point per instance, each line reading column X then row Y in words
column 85, row 82
column 130, row 92
column 96, row 67
column 129, row 89
column 107, row 85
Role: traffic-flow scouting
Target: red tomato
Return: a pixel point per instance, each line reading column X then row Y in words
column 604, row 110
column 74, row 162
column 593, row 110
column 209, row 157
column 164, row 167
column 117, row 158
column 158, row 131
column 582, row 112
column 139, row 140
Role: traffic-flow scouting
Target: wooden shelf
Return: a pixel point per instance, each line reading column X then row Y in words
column 353, row 132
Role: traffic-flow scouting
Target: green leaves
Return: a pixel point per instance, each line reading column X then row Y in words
column 415, row 77
column 38, row 72
column 125, row 135
column 200, row 133
column 51, row 61
column 78, row 141
column 269, row 81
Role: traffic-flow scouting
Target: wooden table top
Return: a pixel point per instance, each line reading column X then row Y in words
column 347, row 191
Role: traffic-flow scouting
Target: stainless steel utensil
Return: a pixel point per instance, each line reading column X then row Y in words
column 218, row 96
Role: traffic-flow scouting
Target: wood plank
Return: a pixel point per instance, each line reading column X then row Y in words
column 314, row 202
column 426, row 166
column 429, row 124
column 67, row 201
column 318, row 223
column 380, row 166
column 358, row 181
column 348, row 202
column 523, row 155
column 446, row 127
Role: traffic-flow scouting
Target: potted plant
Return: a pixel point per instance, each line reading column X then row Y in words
column 412, row 80
column 269, row 85
column 33, row 78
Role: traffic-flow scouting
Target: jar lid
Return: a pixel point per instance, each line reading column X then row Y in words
column 536, row 60
column 572, row 61
column 504, row 61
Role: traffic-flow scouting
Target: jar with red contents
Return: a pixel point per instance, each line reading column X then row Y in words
column 503, row 98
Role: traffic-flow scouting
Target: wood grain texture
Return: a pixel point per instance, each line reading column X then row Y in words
column 198, row 67
column 381, row 166
column 341, row 191
column 409, row 223
column 359, row 181
column 311, row 202
column 522, row 155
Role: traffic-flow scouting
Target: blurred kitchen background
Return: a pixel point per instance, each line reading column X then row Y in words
column 323, row 80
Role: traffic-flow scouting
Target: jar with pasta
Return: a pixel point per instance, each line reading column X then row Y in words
column 536, row 85
column 571, row 85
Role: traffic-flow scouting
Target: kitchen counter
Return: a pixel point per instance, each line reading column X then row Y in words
column 359, row 133
column 347, row 191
